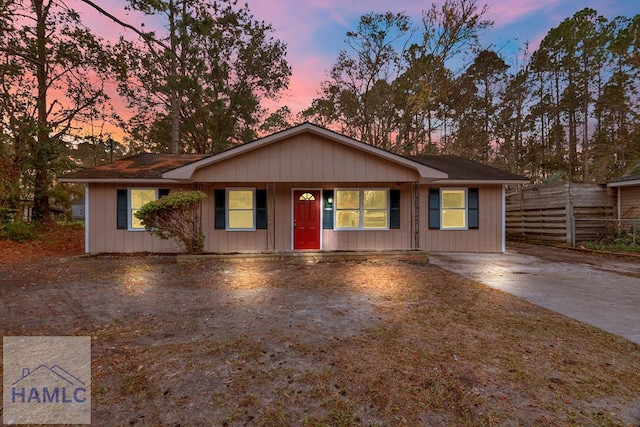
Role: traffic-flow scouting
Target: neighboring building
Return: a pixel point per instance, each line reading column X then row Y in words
column 77, row 210
column 627, row 196
column 305, row 188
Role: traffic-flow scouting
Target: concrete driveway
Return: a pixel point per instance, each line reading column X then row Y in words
column 602, row 291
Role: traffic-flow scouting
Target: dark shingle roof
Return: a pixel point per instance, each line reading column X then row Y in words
column 138, row 166
column 460, row 168
column 152, row 166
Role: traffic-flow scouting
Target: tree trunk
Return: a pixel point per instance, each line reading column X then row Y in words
column 41, row 147
column 586, row 172
column 175, row 96
column 559, row 145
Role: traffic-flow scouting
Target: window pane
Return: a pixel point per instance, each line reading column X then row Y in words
column 375, row 199
column 240, row 199
column 140, row 197
column 348, row 199
column 241, row 219
column 347, row 219
column 453, row 218
column 307, row 197
column 135, row 222
column 375, row 219
column 453, row 199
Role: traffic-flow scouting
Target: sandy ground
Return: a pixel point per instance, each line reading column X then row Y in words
column 336, row 340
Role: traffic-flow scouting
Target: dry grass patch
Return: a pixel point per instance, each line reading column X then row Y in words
column 468, row 355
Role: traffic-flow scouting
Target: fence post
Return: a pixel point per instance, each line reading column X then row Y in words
column 635, row 232
column 573, row 232
column 570, row 223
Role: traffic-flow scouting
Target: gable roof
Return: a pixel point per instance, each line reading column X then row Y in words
column 426, row 172
column 147, row 167
column 157, row 168
column 461, row 170
column 625, row 181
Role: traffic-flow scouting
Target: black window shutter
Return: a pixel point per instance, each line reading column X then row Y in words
column 434, row 208
column 327, row 208
column 219, row 209
column 163, row 192
column 394, row 208
column 121, row 209
column 473, row 206
column 261, row 209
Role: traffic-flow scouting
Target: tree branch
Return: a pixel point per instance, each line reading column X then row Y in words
column 147, row 38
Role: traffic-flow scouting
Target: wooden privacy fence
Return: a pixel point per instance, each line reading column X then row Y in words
column 546, row 212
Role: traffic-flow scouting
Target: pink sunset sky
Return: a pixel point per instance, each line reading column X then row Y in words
column 314, row 30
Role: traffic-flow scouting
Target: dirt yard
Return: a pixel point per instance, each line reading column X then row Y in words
column 338, row 340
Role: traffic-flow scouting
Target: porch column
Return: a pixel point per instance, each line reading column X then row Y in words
column 504, row 219
column 416, row 226
column 271, row 215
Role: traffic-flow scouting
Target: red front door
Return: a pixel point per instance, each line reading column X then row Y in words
column 306, row 219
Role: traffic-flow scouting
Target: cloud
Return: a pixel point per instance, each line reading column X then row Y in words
column 505, row 12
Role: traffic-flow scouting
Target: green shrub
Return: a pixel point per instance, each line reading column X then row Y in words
column 19, row 231
column 176, row 216
column 7, row 215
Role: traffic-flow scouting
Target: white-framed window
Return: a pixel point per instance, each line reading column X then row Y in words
column 241, row 209
column 138, row 197
column 453, row 212
column 361, row 209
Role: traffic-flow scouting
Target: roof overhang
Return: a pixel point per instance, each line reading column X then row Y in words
column 627, row 183
column 185, row 173
column 119, row 181
column 467, row 182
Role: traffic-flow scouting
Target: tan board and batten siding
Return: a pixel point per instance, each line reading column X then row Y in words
column 488, row 236
column 629, row 202
column 278, row 236
column 104, row 237
column 305, row 158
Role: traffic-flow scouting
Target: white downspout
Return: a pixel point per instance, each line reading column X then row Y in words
column 504, row 220
column 86, row 218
